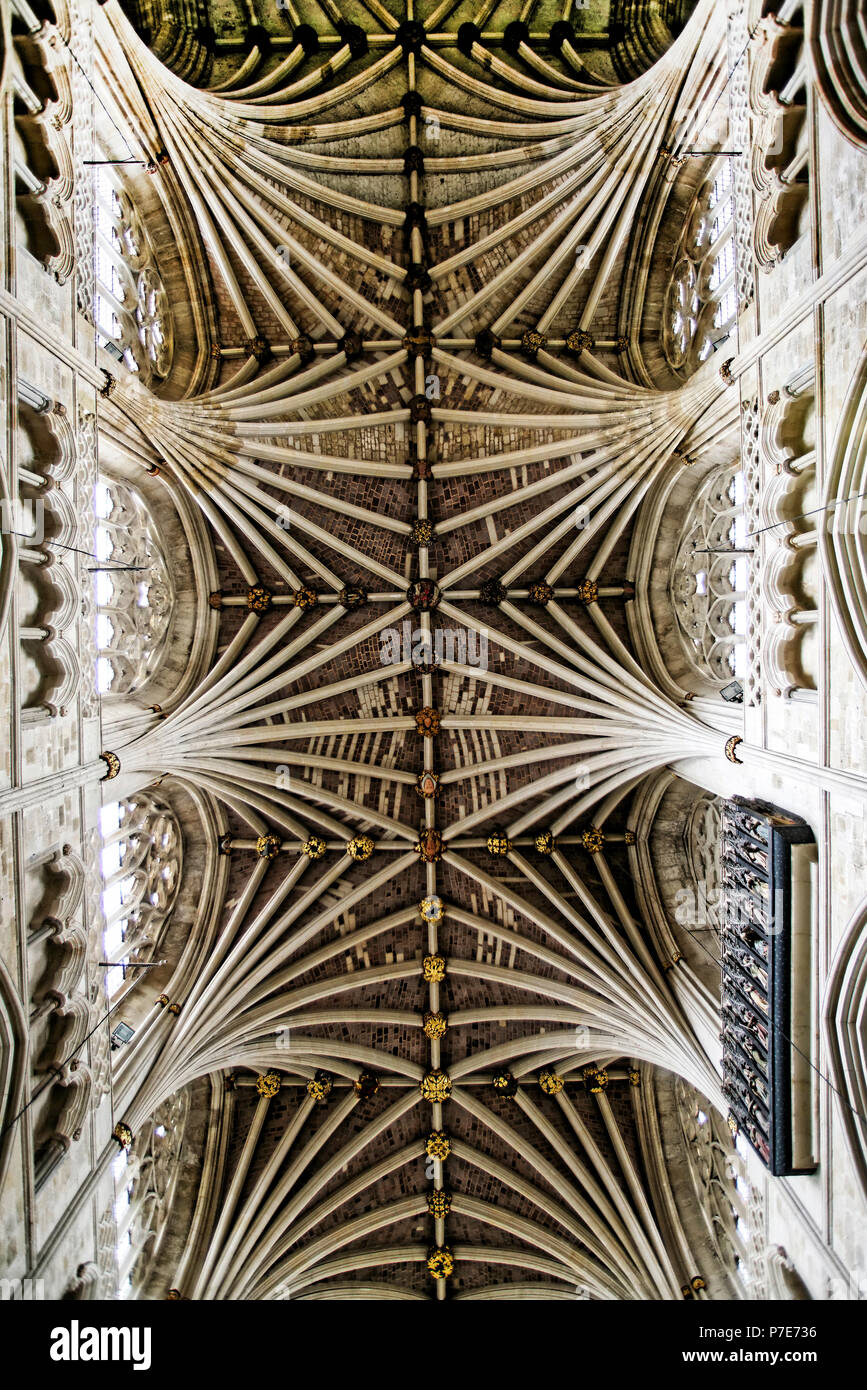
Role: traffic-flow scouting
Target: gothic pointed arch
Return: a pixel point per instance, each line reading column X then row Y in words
column 843, row 1020
column 839, row 54
column 842, row 532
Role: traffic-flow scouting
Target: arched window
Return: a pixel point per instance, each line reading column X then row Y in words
column 702, row 838
column 709, row 579
column 144, row 1185
column 732, row 1208
column 130, row 308
column 134, row 594
column 702, row 300
column 141, row 861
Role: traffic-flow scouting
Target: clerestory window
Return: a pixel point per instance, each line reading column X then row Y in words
column 141, row 867
column 702, row 299
column 709, row 579
column 134, row 595
column 130, row 307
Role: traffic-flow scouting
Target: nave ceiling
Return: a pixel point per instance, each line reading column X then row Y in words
column 410, row 401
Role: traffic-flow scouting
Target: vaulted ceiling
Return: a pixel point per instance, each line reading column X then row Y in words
column 424, row 410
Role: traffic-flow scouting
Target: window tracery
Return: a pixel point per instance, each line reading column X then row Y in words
column 141, row 862
column 702, row 299
column 130, row 307
column 145, row 1181
column 739, row 134
column 133, row 594
column 732, row 1207
column 702, row 838
column 709, row 579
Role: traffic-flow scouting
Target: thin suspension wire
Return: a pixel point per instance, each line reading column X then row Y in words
column 133, row 158
column 808, row 1060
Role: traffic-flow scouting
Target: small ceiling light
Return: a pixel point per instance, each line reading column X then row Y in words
column 122, row 1034
column 733, row 692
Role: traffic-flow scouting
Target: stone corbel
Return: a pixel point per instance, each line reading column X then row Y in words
column 62, row 185
column 779, row 649
column 53, row 123
column 70, row 939
column 67, row 897
column 56, row 62
column 68, row 1031
column 776, row 216
column 76, row 1083
column 774, row 42
column 60, row 609
column 784, row 1279
column 777, row 122
column 776, row 425
column 66, row 685
column 64, row 516
column 59, row 424
column 85, row 1285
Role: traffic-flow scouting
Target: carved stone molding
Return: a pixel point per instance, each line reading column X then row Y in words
column 839, row 55
column 778, row 160
column 84, row 1286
